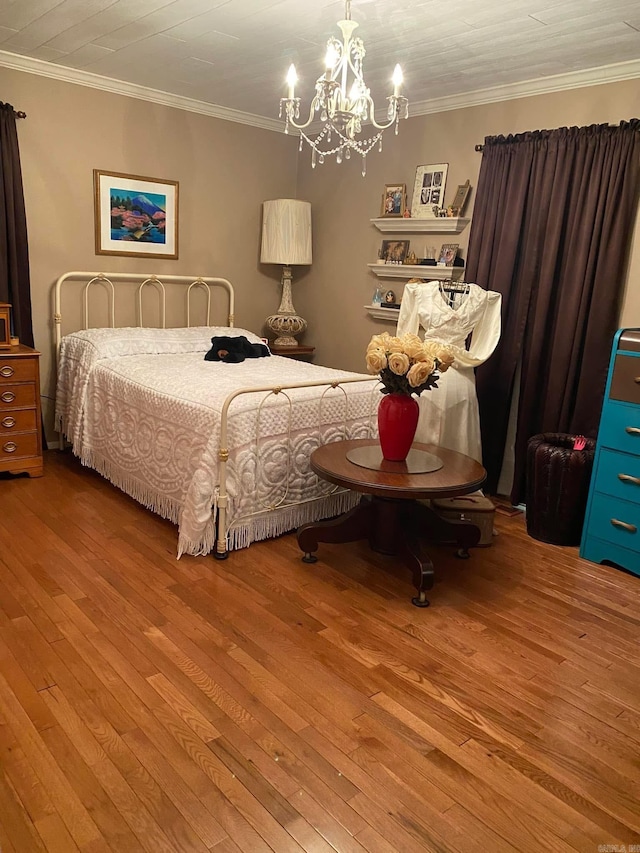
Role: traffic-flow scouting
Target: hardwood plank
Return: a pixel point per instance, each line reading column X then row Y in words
column 23, row 690
column 193, row 810
column 55, row 835
column 17, row 826
column 22, row 778
column 64, row 798
column 91, row 793
column 183, row 708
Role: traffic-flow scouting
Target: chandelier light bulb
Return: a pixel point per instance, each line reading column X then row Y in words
column 345, row 116
column 330, row 58
column 292, row 79
column 397, row 80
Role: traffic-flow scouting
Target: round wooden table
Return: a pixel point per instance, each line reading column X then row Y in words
column 389, row 514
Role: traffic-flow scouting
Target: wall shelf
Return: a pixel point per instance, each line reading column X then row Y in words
column 406, row 271
column 400, row 225
column 383, row 313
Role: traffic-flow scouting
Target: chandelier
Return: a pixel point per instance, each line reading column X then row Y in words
column 342, row 102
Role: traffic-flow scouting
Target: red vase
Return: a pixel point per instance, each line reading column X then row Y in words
column 397, row 424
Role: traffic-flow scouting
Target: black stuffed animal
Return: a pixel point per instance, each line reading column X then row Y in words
column 233, row 350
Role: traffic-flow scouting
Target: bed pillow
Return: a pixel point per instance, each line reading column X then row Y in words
column 111, row 343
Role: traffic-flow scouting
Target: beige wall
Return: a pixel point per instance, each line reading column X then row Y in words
column 225, row 171
column 339, row 284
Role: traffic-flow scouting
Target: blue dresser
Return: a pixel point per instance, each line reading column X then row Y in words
column 611, row 530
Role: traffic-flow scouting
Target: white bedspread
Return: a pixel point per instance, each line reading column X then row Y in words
column 143, row 407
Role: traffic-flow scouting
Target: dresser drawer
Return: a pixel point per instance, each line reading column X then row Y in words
column 618, row 475
column 616, row 521
column 22, row 420
column 625, row 381
column 17, row 397
column 620, row 428
column 17, row 369
column 18, row 446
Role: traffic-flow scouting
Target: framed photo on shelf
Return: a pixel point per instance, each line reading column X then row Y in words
column 448, row 254
column 135, row 216
column 394, row 200
column 428, row 190
column 394, row 251
column 460, row 199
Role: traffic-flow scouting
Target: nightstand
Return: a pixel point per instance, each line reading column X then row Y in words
column 20, row 422
column 292, row 352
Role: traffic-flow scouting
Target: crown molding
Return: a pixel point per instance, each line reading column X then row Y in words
column 527, row 88
column 131, row 90
column 542, row 86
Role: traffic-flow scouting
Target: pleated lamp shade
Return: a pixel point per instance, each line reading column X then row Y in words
column 286, row 232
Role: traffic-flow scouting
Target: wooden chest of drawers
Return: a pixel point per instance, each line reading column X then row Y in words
column 20, row 429
column 611, row 531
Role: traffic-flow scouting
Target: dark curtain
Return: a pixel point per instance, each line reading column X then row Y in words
column 14, row 251
column 551, row 232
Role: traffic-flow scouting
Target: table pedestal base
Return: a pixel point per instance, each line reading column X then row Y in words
column 393, row 527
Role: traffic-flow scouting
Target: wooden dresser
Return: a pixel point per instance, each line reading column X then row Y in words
column 611, row 531
column 20, row 422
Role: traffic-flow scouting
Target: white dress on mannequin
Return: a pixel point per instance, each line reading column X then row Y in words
column 449, row 414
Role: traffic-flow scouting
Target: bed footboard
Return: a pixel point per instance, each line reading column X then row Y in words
column 365, row 428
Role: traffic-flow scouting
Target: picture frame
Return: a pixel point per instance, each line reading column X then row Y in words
column 5, row 325
column 135, row 215
column 428, row 190
column 448, row 254
column 394, row 200
column 394, row 251
column 460, row 199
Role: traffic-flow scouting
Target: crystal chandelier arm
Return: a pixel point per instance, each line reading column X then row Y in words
column 397, row 105
column 291, row 106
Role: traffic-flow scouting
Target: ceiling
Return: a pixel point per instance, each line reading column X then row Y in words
column 235, row 53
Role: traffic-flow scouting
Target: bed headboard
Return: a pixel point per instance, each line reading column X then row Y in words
column 90, row 281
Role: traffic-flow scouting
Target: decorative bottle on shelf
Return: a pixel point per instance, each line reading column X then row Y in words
column 378, row 296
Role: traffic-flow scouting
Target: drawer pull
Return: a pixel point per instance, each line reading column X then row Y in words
column 8, row 397
column 10, row 447
column 7, row 423
column 623, row 524
column 627, row 478
column 637, row 380
column 633, row 430
column 9, row 371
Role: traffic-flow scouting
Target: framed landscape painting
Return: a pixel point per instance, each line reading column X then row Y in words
column 135, row 216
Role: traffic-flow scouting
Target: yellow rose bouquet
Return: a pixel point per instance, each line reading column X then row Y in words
column 407, row 365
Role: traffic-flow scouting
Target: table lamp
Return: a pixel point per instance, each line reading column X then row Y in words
column 286, row 240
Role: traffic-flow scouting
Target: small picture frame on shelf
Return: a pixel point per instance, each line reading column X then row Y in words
column 428, row 190
column 394, row 200
column 394, row 251
column 5, row 325
column 460, row 199
column 390, row 300
column 448, row 254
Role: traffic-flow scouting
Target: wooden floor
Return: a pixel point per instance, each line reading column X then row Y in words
column 261, row 704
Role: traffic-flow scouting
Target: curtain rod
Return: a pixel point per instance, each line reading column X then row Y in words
column 620, row 124
column 19, row 114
